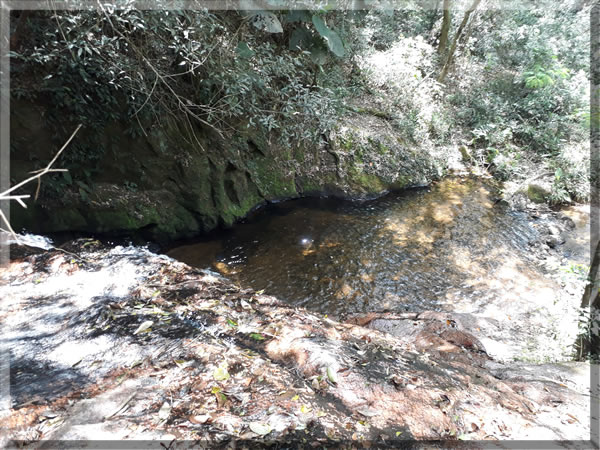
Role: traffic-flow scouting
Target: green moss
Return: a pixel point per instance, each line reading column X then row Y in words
column 347, row 142
column 369, row 183
column 401, row 182
column 270, row 179
column 179, row 222
column 110, row 220
column 382, row 148
column 537, row 194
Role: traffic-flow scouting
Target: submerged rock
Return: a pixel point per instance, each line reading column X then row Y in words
column 219, row 363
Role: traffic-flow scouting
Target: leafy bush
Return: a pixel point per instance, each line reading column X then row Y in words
column 218, row 69
column 403, row 75
column 571, row 175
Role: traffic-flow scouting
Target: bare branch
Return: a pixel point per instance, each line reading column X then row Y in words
column 37, row 175
column 43, row 171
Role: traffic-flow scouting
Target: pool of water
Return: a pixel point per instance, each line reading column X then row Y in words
column 428, row 248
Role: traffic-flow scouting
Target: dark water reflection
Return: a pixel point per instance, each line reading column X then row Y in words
column 413, row 250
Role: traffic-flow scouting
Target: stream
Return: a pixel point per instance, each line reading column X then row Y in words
column 449, row 248
column 428, row 248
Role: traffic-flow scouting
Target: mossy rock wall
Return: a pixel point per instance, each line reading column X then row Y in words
column 175, row 182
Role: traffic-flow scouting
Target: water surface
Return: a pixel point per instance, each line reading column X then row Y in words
column 417, row 249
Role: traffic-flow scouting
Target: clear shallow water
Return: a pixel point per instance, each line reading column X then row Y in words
column 413, row 250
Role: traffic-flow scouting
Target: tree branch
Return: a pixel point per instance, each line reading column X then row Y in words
column 37, row 175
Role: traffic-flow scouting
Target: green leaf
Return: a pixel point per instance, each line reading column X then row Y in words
column 334, row 42
column 266, row 21
column 300, row 39
column 244, row 51
column 318, row 55
column 257, row 336
column 82, row 185
column 231, row 323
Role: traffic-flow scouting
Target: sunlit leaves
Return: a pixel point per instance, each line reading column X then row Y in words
column 539, row 77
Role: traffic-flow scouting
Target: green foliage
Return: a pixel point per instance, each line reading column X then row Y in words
column 539, row 77
column 142, row 66
column 331, row 37
column 519, row 81
column 571, row 175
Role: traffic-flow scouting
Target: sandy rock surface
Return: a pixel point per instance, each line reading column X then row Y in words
column 121, row 343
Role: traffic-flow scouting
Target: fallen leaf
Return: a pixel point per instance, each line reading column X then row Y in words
column 368, row 412
column 398, row 433
column 165, row 411
column 295, row 398
column 203, row 418
column 332, row 375
column 257, row 336
column 261, row 429
column 573, row 417
column 220, row 373
column 145, row 326
column 221, row 398
column 245, row 304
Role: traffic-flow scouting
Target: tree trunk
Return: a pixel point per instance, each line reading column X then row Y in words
column 457, row 36
column 445, row 28
column 588, row 344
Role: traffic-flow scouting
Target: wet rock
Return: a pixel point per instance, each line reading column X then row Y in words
column 165, row 186
column 553, row 241
column 567, row 222
column 538, row 193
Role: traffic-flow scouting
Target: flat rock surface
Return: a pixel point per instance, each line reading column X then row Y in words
column 121, row 343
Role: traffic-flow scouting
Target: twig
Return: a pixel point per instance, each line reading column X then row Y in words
column 37, row 175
